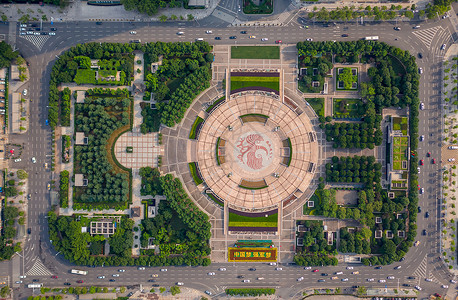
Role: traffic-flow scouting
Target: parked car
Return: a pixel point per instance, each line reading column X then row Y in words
column 233, row 37
column 222, row 269
column 397, row 28
column 443, row 46
column 264, row 39
column 420, row 55
column 243, row 32
column 427, row 215
column 423, row 232
column 217, row 37
column 321, row 280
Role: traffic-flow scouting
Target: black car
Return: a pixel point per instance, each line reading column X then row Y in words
column 303, row 20
column 252, row 269
column 411, row 277
column 44, row 33
column 98, row 23
column 405, row 284
column 397, row 28
column 324, row 274
column 232, row 37
column 112, row 280
column 29, row 230
column 243, row 32
column 419, row 209
column 321, row 280
column 427, row 215
column 355, row 286
column 240, row 276
column 130, row 294
column 402, row 259
column 423, row 232
column 53, row 29
column 420, row 55
column 345, row 35
column 67, row 283
column 217, row 37
column 151, row 280
column 378, row 267
column 35, row 280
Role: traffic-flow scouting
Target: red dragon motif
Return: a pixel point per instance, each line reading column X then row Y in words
column 253, row 160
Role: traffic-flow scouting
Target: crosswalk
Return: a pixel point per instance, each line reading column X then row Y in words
column 38, row 269
column 421, row 270
column 427, row 35
column 37, row 40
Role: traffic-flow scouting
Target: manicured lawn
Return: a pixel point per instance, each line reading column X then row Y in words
column 310, row 210
column 255, row 52
column 194, row 173
column 317, row 104
column 273, row 83
column 265, row 7
column 209, row 109
column 193, row 133
column 347, row 108
column 106, row 73
column 217, row 201
column 400, row 145
column 85, row 76
column 243, row 221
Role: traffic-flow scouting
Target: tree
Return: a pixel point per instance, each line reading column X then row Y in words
column 163, row 18
column 6, row 54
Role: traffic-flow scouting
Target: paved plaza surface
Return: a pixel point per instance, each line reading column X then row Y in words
column 145, row 149
column 253, row 151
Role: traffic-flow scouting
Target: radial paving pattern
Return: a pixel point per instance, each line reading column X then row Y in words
column 251, row 132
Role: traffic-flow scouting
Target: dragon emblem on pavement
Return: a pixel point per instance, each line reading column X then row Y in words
column 252, row 152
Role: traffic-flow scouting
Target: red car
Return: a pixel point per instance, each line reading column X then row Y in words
column 278, row 42
column 428, row 154
column 316, row 270
column 80, row 281
column 421, row 162
column 55, row 277
column 434, row 160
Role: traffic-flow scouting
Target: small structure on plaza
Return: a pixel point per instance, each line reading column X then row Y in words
column 80, row 181
column 80, row 139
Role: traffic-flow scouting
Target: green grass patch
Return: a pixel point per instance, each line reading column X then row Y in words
column 255, row 52
column 106, row 73
column 210, row 108
column 317, row 104
column 193, row 133
column 255, row 78
column 316, row 197
column 217, row 151
column 85, row 76
column 216, row 200
column 347, row 108
column 288, row 140
column 194, row 173
column 253, row 188
column 236, row 220
column 242, row 84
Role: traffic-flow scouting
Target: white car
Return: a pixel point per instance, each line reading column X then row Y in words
column 260, row 278
column 246, row 280
column 264, row 39
column 23, row 25
column 18, row 282
column 300, row 279
column 416, row 27
column 101, row 277
column 24, row 92
column 390, row 277
column 180, row 283
column 278, row 269
column 141, row 268
column 36, row 33
column 422, row 190
column 208, row 293
column 121, row 270
column 344, row 279
column 309, row 39
column 163, row 270
column 451, row 159
column 34, row 160
column 115, row 275
column 418, row 288
column 428, row 279
column 382, row 280
column 418, row 170
column 307, row 268
column 453, row 281
column 397, row 268
column 52, row 33
column 443, row 46
column 222, row 269
column 133, row 32
column 211, row 273
column 420, row 70
column 339, row 273
column 370, row 279
column 180, row 32
column 422, row 138
column 17, row 160
column 422, row 106
column 272, row 264
column 349, row 268
column 445, row 286
column 208, row 32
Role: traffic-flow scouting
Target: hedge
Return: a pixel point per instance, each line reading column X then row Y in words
column 194, row 173
column 63, row 194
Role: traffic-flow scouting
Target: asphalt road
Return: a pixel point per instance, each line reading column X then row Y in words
column 420, row 261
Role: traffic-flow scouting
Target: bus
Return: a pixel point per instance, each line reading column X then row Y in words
column 371, row 38
column 79, row 272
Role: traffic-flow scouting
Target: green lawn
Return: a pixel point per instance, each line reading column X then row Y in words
column 275, row 85
column 85, row 76
column 317, row 104
column 347, row 108
column 193, row 133
column 255, row 52
column 243, row 221
column 193, row 170
column 310, row 210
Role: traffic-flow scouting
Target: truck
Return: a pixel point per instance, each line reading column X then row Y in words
column 371, row 38
column 79, row 272
column 34, row 285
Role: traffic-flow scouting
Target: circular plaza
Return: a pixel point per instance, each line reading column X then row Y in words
column 256, row 151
